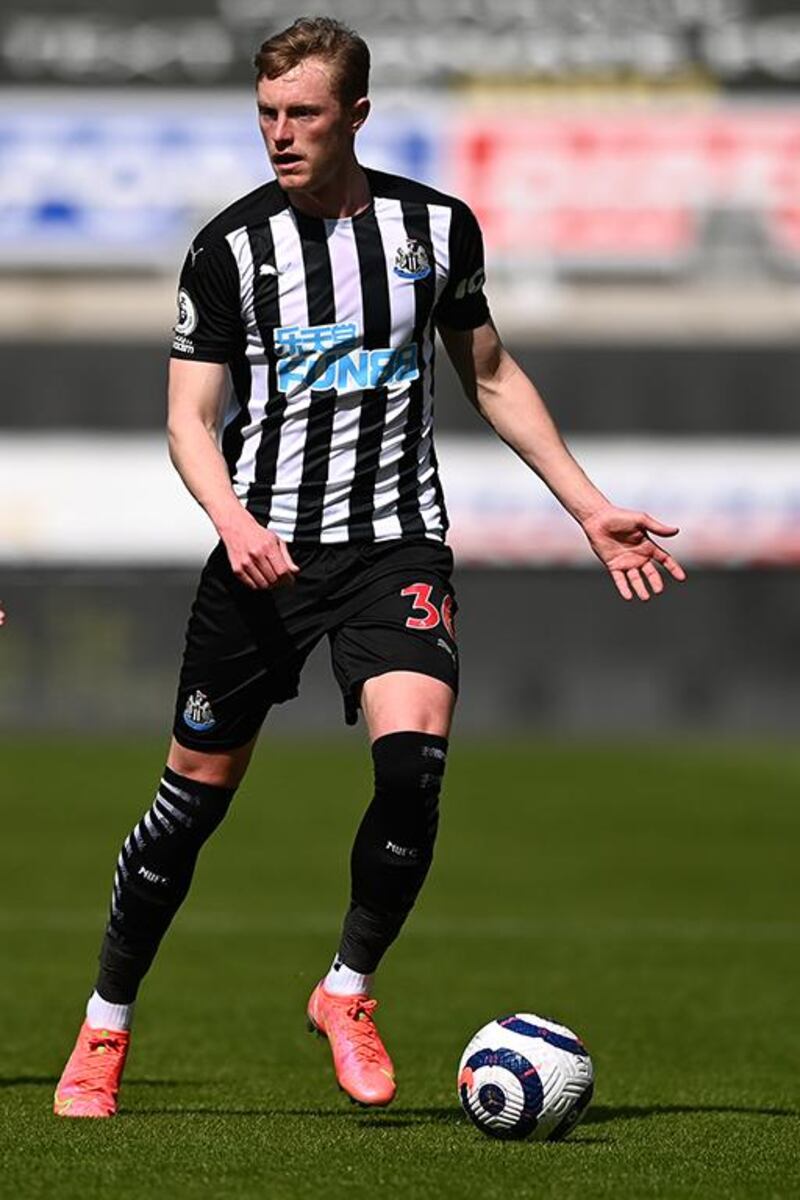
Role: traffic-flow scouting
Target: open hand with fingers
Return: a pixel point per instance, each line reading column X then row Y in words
column 620, row 539
column 258, row 557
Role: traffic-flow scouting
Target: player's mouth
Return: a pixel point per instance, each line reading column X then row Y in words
column 286, row 160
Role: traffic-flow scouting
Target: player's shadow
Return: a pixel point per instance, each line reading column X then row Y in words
column 361, row 1118
column 165, row 1083
column 451, row 1116
column 9, row 1081
column 403, row 1118
column 397, row 1117
column 600, row 1114
column 389, row 1118
column 400, row 1118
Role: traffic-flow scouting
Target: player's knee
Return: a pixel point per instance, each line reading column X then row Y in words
column 182, row 818
column 409, row 768
column 224, row 769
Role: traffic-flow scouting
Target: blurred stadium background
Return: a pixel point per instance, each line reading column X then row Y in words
column 635, row 165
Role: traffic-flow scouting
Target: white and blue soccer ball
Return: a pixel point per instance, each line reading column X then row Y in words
column 524, row 1076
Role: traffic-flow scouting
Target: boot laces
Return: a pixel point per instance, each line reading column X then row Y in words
column 363, row 1033
column 102, row 1060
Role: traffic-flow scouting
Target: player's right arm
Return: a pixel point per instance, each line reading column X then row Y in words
column 197, row 390
column 206, row 337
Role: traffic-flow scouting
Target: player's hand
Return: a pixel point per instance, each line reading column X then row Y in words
column 2, row 616
column 258, row 557
column 620, row 539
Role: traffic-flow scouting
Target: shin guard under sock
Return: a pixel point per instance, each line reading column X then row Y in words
column 393, row 849
column 154, row 871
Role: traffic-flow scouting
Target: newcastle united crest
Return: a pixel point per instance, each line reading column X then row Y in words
column 412, row 260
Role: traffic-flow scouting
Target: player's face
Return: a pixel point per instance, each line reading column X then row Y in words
column 307, row 131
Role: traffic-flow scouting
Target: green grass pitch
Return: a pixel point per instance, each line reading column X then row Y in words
column 647, row 898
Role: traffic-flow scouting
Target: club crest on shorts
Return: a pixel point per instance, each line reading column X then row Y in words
column 198, row 714
column 412, row 260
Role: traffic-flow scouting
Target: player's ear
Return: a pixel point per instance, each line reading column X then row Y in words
column 359, row 113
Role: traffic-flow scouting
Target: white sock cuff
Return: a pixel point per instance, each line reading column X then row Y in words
column 342, row 981
column 101, row 1014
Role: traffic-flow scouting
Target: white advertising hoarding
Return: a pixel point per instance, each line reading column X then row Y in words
column 103, row 499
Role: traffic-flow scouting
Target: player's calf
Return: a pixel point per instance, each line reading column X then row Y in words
column 154, row 871
column 393, row 849
column 391, row 857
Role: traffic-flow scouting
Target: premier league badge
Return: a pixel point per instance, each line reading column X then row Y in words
column 412, row 260
column 198, row 714
column 187, row 314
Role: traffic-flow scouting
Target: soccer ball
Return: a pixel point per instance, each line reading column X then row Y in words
column 525, row 1076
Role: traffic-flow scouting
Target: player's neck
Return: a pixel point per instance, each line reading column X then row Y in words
column 346, row 196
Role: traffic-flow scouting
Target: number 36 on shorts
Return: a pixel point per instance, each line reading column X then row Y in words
column 430, row 616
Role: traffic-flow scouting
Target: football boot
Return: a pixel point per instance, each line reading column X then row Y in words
column 90, row 1081
column 363, row 1068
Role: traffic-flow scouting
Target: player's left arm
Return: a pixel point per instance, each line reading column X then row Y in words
column 507, row 399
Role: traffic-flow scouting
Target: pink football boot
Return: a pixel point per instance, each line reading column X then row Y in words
column 363, row 1068
column 89, row 1084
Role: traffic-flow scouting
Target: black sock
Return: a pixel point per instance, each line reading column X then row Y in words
column 154, row 871
column 393, row 849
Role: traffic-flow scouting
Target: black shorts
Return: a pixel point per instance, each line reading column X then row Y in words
column 385, row 606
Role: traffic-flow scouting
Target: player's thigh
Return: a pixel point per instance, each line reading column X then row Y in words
column 397, row 656
column 239, row 659
column 404, row 701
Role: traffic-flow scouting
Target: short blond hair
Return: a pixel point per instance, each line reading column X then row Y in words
column 318, row 37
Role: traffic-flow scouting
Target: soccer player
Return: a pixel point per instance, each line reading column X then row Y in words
column 317, row 297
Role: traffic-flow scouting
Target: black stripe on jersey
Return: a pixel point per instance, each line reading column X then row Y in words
column 377, row 335
column 321, row 311
column 416, row 220
column 241, row 377
column 266, row 307
column 437, row 481
column 438, row 491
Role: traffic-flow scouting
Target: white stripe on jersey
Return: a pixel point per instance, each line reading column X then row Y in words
column 239, row 243
column 402, row 307
column 440, row 217
column 293, row 304
column 347, row 417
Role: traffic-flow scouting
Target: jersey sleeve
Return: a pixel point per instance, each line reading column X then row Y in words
column 209, row 307
column 463, row 304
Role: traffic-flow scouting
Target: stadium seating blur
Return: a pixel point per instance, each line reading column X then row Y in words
column 635, row 167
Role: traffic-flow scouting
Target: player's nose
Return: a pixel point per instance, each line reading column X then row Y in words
column 282, row 133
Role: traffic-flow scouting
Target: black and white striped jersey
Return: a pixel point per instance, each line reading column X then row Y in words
column 327, row 327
